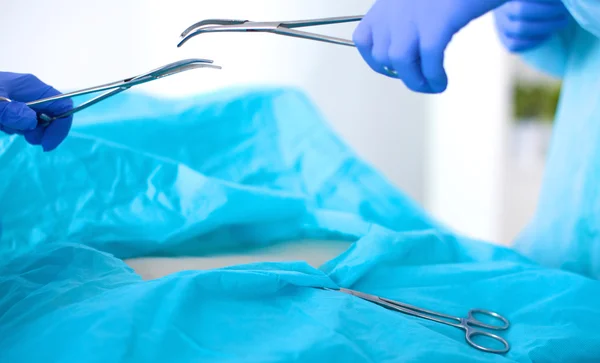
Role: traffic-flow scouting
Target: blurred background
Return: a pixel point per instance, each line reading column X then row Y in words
column 473, row 156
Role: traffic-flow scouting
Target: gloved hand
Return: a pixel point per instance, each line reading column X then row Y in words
column 525, row 24
column 17, row 117
column 406, row 39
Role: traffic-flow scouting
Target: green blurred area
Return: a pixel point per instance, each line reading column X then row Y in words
column 535, row 102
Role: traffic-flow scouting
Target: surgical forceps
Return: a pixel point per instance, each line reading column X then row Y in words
column 467, row 324
column 276, row 27
column 117, row 87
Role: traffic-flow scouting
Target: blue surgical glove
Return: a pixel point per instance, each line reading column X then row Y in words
column 17, row 118
column 406, row 39
column 525, row 24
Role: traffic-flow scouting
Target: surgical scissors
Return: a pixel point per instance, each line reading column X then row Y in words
column 287, row 28
column 117, row 87
column 467, row 324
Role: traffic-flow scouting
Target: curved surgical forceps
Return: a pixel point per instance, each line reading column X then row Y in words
column 117, row 87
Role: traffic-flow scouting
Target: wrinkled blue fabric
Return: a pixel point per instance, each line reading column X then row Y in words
column 565, row 231
column 152, row 177
column 145, row 177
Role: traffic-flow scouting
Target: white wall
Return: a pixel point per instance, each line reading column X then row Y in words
column 466, row 144
column 71, row 43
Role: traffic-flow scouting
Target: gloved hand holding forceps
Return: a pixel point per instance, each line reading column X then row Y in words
column 16, row 117
column 403, row 39
column 44, row 116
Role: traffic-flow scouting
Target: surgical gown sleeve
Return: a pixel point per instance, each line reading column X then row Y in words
column 586, row 13
column 551, row 57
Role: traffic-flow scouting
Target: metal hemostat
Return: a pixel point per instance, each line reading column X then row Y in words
column 288, row 28
column 117, row 87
